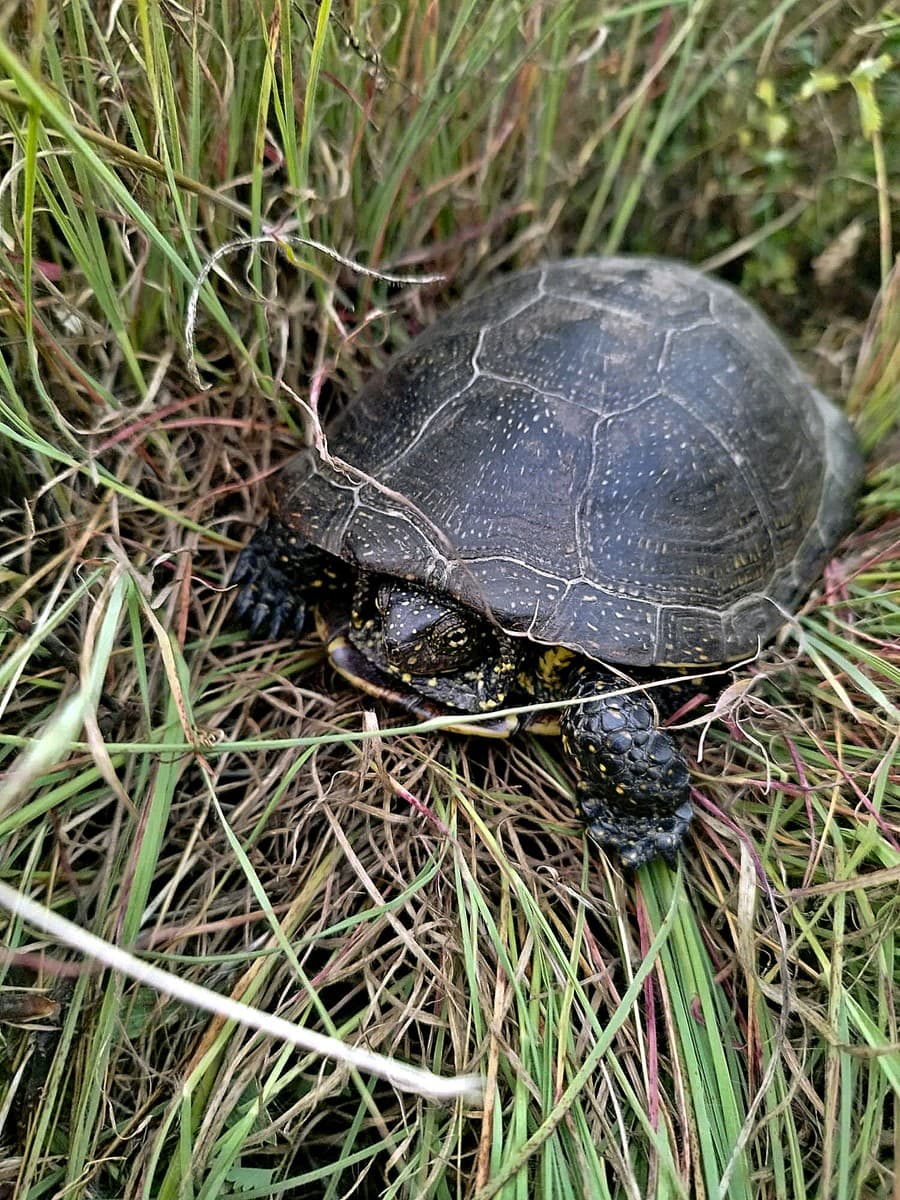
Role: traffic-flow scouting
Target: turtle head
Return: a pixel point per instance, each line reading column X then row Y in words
column 436, row 648
column 427, row 635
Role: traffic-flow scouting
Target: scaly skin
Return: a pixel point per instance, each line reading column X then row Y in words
column 634, row 787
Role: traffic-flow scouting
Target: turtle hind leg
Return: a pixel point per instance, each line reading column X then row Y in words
column 278, row 576
column 634, row 787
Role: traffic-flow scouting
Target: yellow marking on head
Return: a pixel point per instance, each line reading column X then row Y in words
column 406, row 677
column 553, row 659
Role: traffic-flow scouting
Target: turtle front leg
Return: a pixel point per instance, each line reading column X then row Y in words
column 634, row 787
column 279, row 575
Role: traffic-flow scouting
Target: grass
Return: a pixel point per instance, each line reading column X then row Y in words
column 229, row 813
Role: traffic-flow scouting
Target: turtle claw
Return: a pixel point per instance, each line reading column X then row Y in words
column 270, row 577
column 640, row 839
column 266, row 609
column 268, row 618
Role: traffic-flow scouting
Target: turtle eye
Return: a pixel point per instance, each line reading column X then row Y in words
column 454, row 631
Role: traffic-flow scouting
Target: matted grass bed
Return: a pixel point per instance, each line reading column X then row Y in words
column 227, row 811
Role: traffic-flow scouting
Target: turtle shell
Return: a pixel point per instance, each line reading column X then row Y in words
column 616, row 455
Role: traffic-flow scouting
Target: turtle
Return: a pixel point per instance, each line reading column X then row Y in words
column 599, row 472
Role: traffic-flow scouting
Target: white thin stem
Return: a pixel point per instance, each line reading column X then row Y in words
column 401, row 1075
